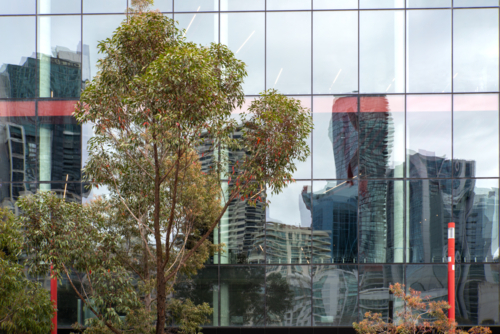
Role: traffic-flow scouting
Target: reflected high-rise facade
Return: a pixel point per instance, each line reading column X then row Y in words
column 405, row 103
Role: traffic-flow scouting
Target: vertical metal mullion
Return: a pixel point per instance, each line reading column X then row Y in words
column 358, row 211
column 311, row 183
column 218, row 230
column 265, row 208
column 452, row 113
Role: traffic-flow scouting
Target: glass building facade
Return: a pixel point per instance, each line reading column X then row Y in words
column 405, row 103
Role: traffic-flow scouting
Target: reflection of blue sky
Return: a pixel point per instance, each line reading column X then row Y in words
column 288, row 207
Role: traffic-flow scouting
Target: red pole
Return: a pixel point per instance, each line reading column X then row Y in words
column 53, row 298
column 451, row 270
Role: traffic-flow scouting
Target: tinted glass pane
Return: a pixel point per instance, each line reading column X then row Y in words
column 288, row 296
column 242, row 5
column 475, row 3
column 17, row 143
column 431, row 280
column 475, row 211
column 10, row 193
column 70, row 307
column 242, row 296
column 428, row 212
column 381, row 4
column 335, row 4
column 334, row 71
column 335, row 295
column 200, row 28
column 162, row 5
column 428, row 135
column 335, row 137
column 95, row 29
column 381, row 136
column 428, row 51
column 288, row 225
column 427, row 3
column 71, row 191
column 108, row 6
column 201, row 288
column 475, row 126
column 381, row 227
column 382, row 51
column 18, row 59
column 60, row 57
column 289, row 52
column 59, row 6
column 244, row 34
column 475, row 50
column 477, row 294
column 196, row 5
column 18, row 7
column 374, row 282
column 59, row 141
column 288, row 4
column 335, row 221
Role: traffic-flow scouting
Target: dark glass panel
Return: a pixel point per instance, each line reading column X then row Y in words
column 18, row 7
column 335, row 4
column 288, row 296
column 10, row 193
column 427, row 3
column 477, row 294
column 335, row 295
column 335, row 221
column 335, row 72
column 59, row 56
column 108, row 6
column 195, row 5
column 475, row 213
column 381, row 227
column 428, row 212
column 289, row 52
column 288, row 225
column 475, row 50
column 335, row 137
column 17, row 142
column 430, row 279
column 288, row 4
column 244, row 34
column 428, row 51
column 71, row 191
column 17, row 59
column 374, row 282
column 70, row 308
column 201, row 288
column 59, row 6
column 242, row 5
column 59, row 141
column 242, row 295
column 381, row 136
column 475, row 3
column 381, row 4
column 428, row 136
column 200, row 28
column 475, row 127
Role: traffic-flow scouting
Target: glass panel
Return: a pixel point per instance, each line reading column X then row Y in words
column 382, row 136
column 17, row 59
column 475, row 211
column 59, row 142
column 475, row 126
column 382, row 54
column 335, row 295
column 374, row 282
column 381, row 227
column 200, row 28
column 196, row 5
column 428, row 135
column 201, row 288
column 17, row 143
column 95, row 29
column 427, row 3
column 60, row 56
column 71, row 191
column 335, row 221
column 477, row 294
column 475, row 3
column 59, row 6
column 108, row 6
column 428, row 51
column 335, row 137
column 162, row 5
column 475, row 50
column 428, row 212
column 70, row 308
column 381, row 4
column 242, row 296
column 289, row 52
column 288, row 296
column 334, row 71
column 288, row 4
column 430, row 279
column 242, row 5
column 18, row 7
column 288, row 225
column 335, row 4
column 244, row 34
